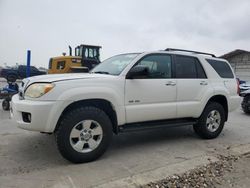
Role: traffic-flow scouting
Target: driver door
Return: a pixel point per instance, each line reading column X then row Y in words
column 152, row 97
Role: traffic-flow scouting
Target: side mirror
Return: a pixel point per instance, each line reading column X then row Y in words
column 138, row 71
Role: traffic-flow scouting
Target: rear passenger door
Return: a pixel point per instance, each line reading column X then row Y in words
column 192, row 84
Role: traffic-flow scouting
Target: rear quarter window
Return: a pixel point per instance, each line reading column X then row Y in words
column 221, row 67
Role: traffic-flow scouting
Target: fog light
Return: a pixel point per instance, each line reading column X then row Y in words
column 26, row 117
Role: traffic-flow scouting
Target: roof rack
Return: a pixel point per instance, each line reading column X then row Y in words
column 182, row 50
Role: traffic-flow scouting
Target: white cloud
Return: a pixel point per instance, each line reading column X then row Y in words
column 47, row 27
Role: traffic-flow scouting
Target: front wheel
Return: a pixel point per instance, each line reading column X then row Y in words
column 211, row 122
column 84, row 134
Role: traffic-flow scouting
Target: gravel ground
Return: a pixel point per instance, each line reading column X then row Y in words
column 229, row 171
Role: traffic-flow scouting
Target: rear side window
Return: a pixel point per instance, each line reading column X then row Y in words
column 188, row 67
column 221, row 67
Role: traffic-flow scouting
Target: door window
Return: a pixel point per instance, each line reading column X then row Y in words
column 188, row 67
column 159, row 65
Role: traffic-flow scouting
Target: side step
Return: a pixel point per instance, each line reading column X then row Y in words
column 140, row 126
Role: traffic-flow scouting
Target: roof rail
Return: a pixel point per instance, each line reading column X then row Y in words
column 182, row 50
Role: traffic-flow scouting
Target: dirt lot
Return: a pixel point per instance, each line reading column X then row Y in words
column 29, row 159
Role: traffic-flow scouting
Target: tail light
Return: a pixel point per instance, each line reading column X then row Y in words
column 238, row 86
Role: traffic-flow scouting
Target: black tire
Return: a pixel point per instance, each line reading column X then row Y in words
column 11, row 78
column 6, row 105
column 69, row 121
column 245, row 108
column 201, row 127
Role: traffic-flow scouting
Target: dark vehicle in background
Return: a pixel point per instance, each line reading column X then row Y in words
column 6, row 94
column 245, row 93
column 19, row 72
column 244, row 86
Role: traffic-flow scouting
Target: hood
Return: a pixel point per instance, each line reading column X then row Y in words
column 63, row 77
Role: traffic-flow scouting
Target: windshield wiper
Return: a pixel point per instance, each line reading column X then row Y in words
column 101, row 72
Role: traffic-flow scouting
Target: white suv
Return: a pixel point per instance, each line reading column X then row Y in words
column 128, row 92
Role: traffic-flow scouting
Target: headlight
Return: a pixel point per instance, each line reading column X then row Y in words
column 38, row 89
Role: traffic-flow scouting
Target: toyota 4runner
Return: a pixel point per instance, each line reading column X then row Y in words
column 128, row 92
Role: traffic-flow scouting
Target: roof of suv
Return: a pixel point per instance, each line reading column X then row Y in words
column 183, row 52
column 192, row 53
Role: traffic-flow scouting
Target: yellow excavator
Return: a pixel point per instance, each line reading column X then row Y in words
column 86, row 57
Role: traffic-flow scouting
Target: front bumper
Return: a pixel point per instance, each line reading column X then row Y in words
column 40, row 111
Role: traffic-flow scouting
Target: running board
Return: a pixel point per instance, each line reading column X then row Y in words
column 140, row 126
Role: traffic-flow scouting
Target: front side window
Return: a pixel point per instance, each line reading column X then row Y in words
column 221, row 67
column 159, row 65
column 114, row 65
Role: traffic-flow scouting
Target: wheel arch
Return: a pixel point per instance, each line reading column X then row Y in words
column 103, row 104
column 221, row 99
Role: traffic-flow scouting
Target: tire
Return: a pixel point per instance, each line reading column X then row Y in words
column 211, row 122
column 11, row 78
column 6, row 105
column 245, row 107
column 77, row 122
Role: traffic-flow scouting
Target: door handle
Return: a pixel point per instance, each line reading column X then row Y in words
column 203, row 83
column 170, row 83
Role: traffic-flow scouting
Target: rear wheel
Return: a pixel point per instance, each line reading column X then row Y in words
column 84, row 134
column 6, row 105
column 211, row 122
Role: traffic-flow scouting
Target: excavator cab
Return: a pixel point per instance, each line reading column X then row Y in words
column 90, row 55
column 86, row 57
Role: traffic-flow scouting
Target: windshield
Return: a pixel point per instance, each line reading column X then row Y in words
column 114, row 65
